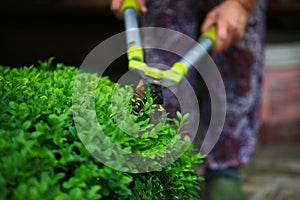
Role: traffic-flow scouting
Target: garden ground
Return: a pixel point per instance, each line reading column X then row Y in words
column 273, row 173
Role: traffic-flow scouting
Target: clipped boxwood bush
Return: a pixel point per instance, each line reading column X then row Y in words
column 42, row 157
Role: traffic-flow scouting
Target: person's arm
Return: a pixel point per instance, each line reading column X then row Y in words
column 116, row 5
column 231, row 18
column 247, row 4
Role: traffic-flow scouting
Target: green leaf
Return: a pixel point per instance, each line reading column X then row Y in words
column 26, row 125
column 139, row 185
column 12, row 105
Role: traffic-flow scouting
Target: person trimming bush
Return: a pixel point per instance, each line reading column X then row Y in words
column 239, row 57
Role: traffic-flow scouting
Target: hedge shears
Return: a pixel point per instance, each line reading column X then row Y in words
column 135, row 53
column 152, row 77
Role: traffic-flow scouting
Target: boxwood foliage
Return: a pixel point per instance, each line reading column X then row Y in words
column 42, row 157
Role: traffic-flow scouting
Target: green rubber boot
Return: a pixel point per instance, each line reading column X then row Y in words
column 223, row 185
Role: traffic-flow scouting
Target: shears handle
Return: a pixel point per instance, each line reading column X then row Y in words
column 130, row 11
column 207, row 42
column 130, row 4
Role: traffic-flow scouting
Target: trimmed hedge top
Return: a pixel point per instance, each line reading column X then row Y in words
column 42, row 157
